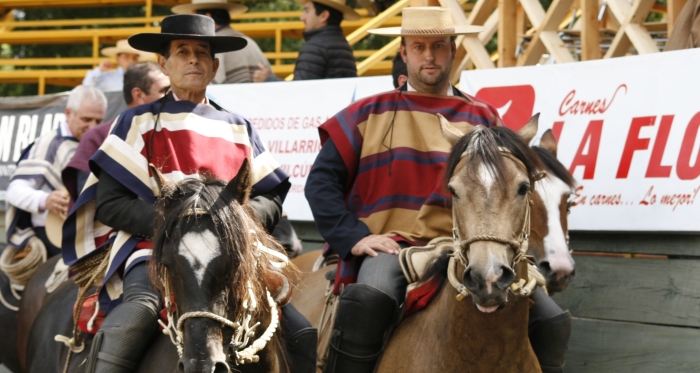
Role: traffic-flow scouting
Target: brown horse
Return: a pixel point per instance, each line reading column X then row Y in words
column 490, row 173
column 549, row 238
column 216, row 261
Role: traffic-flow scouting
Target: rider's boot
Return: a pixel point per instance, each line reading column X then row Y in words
column 302, row 350
column 365, row 315
column 549, row 339
column 128, row 328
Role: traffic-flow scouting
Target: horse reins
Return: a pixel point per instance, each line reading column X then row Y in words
column 243, row 351
column 520, row 245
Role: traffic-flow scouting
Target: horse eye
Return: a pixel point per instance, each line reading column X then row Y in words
column 524, row 188
column 452, row 191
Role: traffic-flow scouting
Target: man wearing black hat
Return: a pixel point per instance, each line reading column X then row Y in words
column 184, row 134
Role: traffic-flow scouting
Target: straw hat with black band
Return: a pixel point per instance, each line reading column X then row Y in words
column 186, row 27
column 196, row 5
column 123, row 47
column 427, row 21
column 349, row 14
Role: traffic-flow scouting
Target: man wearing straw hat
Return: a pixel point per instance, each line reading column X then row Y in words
column 326, row 53
column 368, row 192
column 234, row 67
column 103, row 77
column 184, row 134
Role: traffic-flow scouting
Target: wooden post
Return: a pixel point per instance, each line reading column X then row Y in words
column 42, row 85
column 673, row 9
column 278, row 45
column 149, row 11
column 425, row 3
column 95, row 47
column 590, row 34
column 507, row 33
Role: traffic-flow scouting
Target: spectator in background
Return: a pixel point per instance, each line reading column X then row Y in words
column 35, row 188
column 143, row 84
column 326, row 53
column 234, row 67
column 399, row 71
column 103, row 77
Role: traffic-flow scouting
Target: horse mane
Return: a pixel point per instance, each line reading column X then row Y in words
column 483, row 145
column 553, row 166
column 231, row 223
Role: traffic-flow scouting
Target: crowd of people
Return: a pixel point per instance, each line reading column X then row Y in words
column 88, row 170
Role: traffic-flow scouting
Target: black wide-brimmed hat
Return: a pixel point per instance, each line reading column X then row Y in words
column 187, row 27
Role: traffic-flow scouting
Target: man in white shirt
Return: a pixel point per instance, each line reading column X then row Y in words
column 107, row 80
column 35, row 186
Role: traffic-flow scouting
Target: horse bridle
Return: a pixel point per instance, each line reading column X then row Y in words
column 241, row 350
column 520, row 245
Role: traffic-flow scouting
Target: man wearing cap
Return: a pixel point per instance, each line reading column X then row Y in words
column 234, row 67
column 35, row 186
column 326, row 53
column 184, row 134
column 368, row 192
column 103, row 77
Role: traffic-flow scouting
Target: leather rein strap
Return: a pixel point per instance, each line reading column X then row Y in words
column 527, row 284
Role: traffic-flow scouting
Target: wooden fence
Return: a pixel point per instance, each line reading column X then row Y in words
column 634, row 310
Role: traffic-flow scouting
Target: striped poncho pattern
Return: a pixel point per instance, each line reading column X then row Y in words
column 44, row 159
column 190, row 140
column 395, row 174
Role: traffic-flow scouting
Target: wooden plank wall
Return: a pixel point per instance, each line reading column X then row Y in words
column 630, row 314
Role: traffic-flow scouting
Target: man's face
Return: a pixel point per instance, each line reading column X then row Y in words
column 158, row 89
column 428, row 61
column 311, row 20
column 190, row 66
column 88, row 115
column 124, row 60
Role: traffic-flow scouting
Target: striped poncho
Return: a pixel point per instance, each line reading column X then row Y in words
column 395, row 154
column 42, row 160
column 190, row 139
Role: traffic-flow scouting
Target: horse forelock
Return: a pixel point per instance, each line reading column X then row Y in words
column 553, row 166
column 228, row 222
column 483, row 148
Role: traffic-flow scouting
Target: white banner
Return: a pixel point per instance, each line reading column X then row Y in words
column 288, row 114
column 627, row 129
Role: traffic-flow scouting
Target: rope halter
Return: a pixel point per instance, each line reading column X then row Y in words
column 241, row 349
column 519, row 246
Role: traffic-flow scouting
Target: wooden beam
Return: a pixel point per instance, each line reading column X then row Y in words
column 658, row 291
column 471, row 43
column 491, row 26
column 507, row 37
column 481, row 12
column 377, row 21
column 546, row 37
column 636, row 14
column 378, row 57
column 672, row 11
column 590, row 32
column 609, row 346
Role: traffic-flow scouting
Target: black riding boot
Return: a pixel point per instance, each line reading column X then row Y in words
column 365, row 314
column 302, row 350
column 129, row 327
column 549, row 339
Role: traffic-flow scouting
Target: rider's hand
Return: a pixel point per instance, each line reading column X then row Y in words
column 106, row 65
column 261, row 74
column 373, row 243
column 57, row 202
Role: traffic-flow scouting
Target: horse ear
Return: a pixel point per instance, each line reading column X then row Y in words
column 451, row 133
column 160, row 180
column 548, row 142
column 239, row 187
column 528, row 132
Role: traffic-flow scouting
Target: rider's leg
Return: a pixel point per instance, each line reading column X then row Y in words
column 366, row 313
column 128, row 328
column 549, row 329
column 301, row 340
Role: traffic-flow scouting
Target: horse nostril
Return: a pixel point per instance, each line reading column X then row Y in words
column 506, row 278
column 181, row 367
column 471, row 280
column 545, row 267
column 221, row 368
